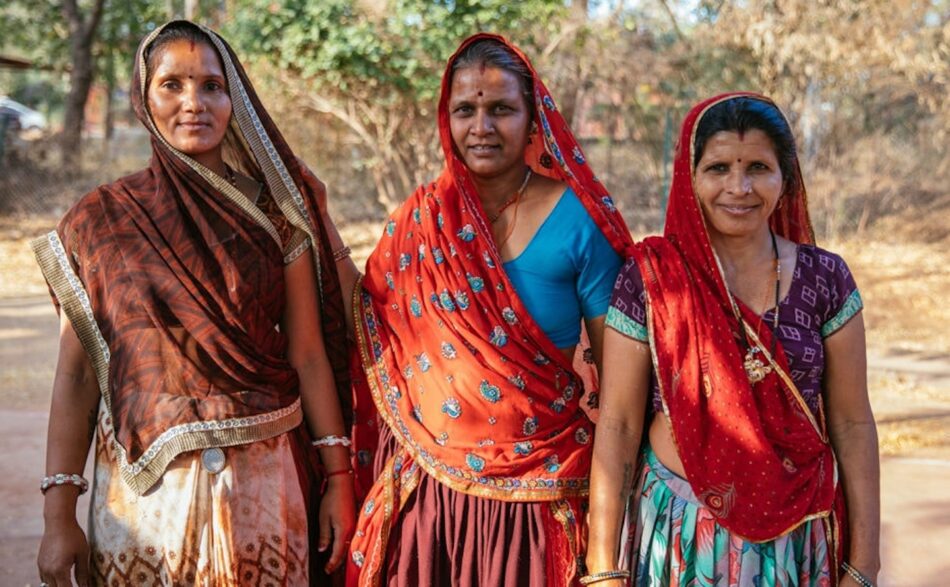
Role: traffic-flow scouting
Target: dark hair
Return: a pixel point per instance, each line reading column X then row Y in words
column 494, row 53
column 177, row 31
column 742, row 114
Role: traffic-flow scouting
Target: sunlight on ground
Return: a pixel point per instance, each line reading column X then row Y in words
column 904, row 287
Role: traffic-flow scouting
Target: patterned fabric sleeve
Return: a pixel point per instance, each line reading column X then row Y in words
column 844, row 300
column 627, row 312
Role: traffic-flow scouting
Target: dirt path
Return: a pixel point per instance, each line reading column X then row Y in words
column 910, row 393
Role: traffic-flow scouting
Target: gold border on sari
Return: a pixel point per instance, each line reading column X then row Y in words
column 666, row 413
column 144, row 472
column 374, row 368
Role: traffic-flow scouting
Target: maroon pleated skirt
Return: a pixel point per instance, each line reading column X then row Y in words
column 443, row 537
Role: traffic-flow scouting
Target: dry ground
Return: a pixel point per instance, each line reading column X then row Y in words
column 904, row 285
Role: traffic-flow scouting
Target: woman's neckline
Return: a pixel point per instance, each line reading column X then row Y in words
column 541, row 226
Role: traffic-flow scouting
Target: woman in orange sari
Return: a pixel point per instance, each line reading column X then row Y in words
column 202, row 344
column 735, row 347
column 467, row 323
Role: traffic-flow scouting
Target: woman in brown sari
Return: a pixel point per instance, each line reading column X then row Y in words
column 201, row 325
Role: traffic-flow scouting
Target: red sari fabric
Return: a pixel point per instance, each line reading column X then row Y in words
column 181, row 280
column 754, row 454
column 474, row 392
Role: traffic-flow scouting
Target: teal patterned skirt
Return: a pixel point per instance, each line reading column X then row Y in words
column 676, row 541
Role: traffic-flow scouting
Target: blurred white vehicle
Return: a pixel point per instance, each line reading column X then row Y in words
column 28, row 118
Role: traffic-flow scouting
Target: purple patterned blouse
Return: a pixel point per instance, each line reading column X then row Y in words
column 822, row 298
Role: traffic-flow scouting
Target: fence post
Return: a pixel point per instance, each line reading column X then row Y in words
column 4, row 123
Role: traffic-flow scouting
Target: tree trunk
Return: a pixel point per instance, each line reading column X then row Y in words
column 82, row 33
column 191, row 9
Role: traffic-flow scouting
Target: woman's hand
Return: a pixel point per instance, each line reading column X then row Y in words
column 63, row 548
column 337, row 519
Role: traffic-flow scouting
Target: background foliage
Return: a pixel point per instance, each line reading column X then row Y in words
column 353, row 84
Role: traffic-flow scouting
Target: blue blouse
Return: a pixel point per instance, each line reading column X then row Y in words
column 566, row 272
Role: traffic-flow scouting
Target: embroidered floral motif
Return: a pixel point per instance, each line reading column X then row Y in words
column 518, row 381
column 448, row 351
column 446, row 301
column 582, row 436
column 461, row 299
column 530, row 426
column 476, row 283
column 475, row 462
column 415, row 307
column 578, row 156
column 467, row 233
column 490, row 392
column 498, row 337
column 452, row 408
column 424, row 363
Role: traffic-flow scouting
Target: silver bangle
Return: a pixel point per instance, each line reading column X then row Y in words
column 856, row 575
column 604, row 576
column 64, row 479
column 331, row 440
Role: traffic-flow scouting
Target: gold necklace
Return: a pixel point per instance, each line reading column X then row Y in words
column 514, row 198
column 755, row 368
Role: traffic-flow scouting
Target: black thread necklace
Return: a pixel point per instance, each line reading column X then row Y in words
column 755, row 368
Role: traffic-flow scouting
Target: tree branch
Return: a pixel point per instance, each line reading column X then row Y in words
column 676, row 26
column 93, row 23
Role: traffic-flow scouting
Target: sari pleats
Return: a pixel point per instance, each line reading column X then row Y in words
column 246, row 525
column 680, row 543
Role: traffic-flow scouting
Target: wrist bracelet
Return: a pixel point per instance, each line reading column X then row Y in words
column 604, row 576
column 341, row 253
column 856, row 575
column 340, row 472
column 64, row 479
column 331, row 440
column 326, row 477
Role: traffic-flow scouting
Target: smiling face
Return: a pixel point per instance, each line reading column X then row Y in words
column 188, row 99
column 738, row 182
column 489, row 120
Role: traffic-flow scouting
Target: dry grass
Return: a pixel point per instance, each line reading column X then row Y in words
column 904, row 286
column 21, row 276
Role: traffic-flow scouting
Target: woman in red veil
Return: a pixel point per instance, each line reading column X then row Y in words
column 735, row 348
column 467, row 322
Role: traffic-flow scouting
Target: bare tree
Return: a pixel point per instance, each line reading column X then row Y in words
column 82, row 34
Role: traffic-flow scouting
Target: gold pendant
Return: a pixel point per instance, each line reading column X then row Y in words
column 755, row 369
